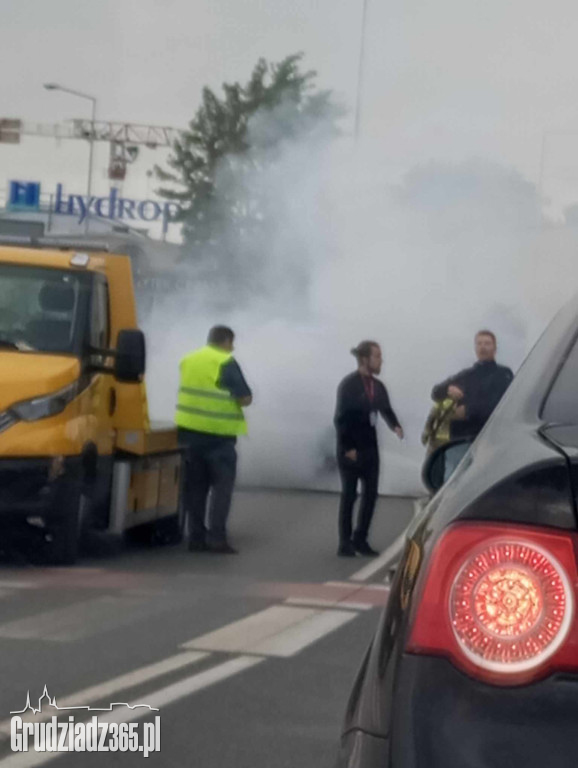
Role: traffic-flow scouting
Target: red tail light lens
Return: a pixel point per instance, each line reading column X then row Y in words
column 499, row 601
column 511, row 606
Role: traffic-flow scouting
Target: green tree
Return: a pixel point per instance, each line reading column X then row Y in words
column 215, row 167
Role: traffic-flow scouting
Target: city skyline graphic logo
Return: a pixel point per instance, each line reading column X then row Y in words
column 45, row 726
column 51, row 702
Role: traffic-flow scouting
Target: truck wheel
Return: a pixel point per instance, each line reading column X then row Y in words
column 68, row 532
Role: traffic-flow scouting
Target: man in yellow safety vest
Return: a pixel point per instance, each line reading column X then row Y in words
column 209, row 416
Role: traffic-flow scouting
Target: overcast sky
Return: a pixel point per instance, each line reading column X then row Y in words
column 444, row 79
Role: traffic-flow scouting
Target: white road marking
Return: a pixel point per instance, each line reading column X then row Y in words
column 159, row 699
column 277, row 631
column 103, row 690
column 355, row 588
column 320, row 602
column 294, row 639
column 386, row 557
column 78, row 620
column 376, row 587
column 186, row 687
column 246, row 633
column 392, row 553
column 420, row 504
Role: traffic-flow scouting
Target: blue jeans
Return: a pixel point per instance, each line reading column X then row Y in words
column 453, row 456
column 211, row 464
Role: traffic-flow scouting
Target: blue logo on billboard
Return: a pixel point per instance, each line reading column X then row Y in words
column 24, row 194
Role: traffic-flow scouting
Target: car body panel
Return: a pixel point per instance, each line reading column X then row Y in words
column 444, row 718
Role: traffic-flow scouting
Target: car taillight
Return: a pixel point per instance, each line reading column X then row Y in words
column 499, row 602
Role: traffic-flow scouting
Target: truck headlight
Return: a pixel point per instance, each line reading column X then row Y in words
column 47, row 405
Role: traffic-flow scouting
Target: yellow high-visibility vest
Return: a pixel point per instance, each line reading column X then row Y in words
column 202, row 406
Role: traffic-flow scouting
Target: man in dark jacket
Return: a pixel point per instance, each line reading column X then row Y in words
column 360, row 397
column 478, row 390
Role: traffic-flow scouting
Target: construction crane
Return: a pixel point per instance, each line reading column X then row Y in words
column 125, row 139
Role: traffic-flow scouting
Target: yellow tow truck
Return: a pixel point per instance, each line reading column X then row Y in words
column 77, row 448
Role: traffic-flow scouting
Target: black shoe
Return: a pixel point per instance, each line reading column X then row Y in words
column 346, row 550
column 197, row 546
column 222, row 548
column 364, row 549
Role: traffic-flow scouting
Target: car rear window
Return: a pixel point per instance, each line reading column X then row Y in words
column 561, row 406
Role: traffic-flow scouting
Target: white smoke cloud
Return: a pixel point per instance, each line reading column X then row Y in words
column 419, row 266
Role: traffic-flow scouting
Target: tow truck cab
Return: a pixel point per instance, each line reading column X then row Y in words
column 77, row 448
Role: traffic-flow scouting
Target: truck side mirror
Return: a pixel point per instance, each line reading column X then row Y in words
column 130, row 358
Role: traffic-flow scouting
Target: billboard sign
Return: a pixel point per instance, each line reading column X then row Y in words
column 26, row 195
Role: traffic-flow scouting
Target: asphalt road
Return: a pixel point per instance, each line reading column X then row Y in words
column 248, row 658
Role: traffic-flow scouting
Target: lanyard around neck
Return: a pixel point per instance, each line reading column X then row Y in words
column 369, row 386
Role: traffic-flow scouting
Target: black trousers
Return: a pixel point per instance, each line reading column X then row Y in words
column 366, row 470
column 211, row 468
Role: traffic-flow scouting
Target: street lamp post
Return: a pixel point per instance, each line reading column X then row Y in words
column 360, row 72
column 55, row 87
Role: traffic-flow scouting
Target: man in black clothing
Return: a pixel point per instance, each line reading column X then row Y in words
column 360, row 397
column 478, row 390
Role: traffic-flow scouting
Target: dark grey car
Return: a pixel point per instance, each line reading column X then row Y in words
column 475, row 660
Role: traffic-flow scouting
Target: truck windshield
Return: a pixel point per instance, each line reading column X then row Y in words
column 38, row 308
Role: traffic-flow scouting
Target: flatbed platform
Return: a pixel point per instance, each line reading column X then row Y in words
column 160, row 438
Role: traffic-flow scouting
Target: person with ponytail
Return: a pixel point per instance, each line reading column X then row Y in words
column 360, row 398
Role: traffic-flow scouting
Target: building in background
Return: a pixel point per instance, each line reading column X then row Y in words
column 45, row 168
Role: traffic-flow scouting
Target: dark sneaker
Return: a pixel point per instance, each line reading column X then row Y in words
column 197, row 546
column 346, row 550
column 364, row 549
column 222, row 548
